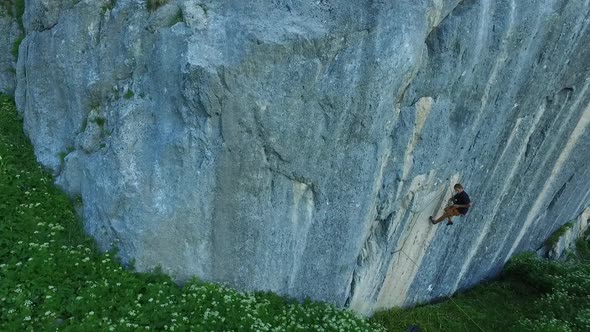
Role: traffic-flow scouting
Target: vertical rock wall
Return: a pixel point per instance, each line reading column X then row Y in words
column 9, row 35
column 300, row 148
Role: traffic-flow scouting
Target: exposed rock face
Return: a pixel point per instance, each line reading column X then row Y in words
column 300, row 148
column 9, row 33
column 566, row 242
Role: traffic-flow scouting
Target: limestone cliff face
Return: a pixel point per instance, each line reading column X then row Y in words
column 9, row 33
column 300, row 147
column 563, row 241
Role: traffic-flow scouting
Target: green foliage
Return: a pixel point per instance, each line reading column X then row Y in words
column 129, row 94
column 16, row 45
column 6, row 8
column 84, row 125
column 566, row 303
column 99, row 121
column 485, row 305
column 108, row 5
column 19, row 11
column 554, row 238
column 583, row 249
column 155, row 4
column 525, row 268
column 77, row 202
column 53, row 277
column 532, row 294
column 62, row 155
column 14, row 9
column 205, row 8
column 177, row 18
column 543, row 324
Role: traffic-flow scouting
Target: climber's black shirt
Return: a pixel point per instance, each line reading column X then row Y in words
column 462, row 198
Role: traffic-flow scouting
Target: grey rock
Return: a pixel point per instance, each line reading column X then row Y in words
column 567, row 241
column 300, row 147
column 8, row 38
column 42, row 15
column 195, row 14
column 166, row 16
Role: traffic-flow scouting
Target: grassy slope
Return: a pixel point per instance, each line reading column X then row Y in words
column 531, row 295
column 491, row 307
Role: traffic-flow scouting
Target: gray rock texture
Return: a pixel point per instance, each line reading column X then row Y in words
column 566, row 243
column 9, row 33
column 300, row 147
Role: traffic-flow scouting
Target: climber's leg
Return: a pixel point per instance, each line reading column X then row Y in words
column 449, row 212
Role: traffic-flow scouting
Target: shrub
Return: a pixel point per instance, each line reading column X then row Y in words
column 129, row 94
column 567, row 289
column 554, row 238
column 109, row 5
column 583, row 247
column 16, row 45
column 155, row 4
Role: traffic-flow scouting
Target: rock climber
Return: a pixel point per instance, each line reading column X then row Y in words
column 460, row 206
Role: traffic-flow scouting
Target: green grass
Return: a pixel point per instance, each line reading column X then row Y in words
column 53, row 277
column 482, row 306
column 554, row 238
column 532, row 294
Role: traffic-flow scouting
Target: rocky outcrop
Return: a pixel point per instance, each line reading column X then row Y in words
column 563, row 240
column 8, row 38
column 300, row 147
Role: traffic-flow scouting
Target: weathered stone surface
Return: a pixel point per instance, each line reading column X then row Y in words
column 574, row 230
column 300, row 147
column 8, row 36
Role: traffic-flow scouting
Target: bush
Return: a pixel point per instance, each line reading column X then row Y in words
column 543, row 325
column 565, row 304
column 15, row 9
column 155, row 4
column 16, row 45
column 554, row 238
column 583, row 247
column 532, row 271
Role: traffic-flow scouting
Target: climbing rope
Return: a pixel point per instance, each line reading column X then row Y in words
column 461, row 309
column 450, row 298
